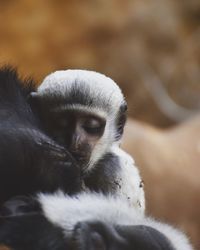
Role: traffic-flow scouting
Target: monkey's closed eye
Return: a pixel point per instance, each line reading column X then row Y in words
column 93, row 126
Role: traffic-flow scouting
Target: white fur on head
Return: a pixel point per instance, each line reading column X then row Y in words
column 102, row 95
column 65, row 211
column 99, row 86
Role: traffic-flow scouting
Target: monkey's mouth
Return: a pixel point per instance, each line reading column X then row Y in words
column 82, row 159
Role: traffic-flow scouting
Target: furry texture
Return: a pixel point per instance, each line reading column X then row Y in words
column 86, row 221
column 117, row 174
column 30, row 161
column 66, row 212
column 99, row 90
column 110, row 169
column 129, row 181
column 91, row 92
column 61, row 213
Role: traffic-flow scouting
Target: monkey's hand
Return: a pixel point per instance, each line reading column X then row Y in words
column 101, row 236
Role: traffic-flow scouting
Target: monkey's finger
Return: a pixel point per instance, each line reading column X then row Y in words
column 97, row 235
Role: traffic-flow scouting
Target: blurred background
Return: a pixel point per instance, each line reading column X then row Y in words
column 151, row 48
column 139, row 43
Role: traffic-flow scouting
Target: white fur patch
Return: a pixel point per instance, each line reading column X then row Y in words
column 62, row 81
column 129, row 183
column 105, row 142
column 65, row 211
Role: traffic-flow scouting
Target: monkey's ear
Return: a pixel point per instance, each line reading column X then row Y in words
column 124, row 107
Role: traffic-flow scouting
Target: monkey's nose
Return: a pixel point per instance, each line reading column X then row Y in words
column 76, row 142
column 74, row 147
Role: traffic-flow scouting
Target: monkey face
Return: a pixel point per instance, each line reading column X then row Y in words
column 78, row 131
column 97, row 101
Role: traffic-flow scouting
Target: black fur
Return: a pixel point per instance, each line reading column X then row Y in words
column 31, row 232
column 121, row 120
column 103, row 175
column 30, row 161
column 24, row 227
column 99, row 235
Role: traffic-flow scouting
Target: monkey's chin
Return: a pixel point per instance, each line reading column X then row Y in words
column 83, row 162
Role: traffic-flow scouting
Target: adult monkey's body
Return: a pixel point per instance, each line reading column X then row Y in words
column 87, row 221
column 30, row 161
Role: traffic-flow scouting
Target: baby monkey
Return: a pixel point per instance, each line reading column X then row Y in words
column 85, row 111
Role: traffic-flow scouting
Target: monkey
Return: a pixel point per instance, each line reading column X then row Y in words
column 86, row 221
column 30, row 161
column 31, row 158
column 85, row 111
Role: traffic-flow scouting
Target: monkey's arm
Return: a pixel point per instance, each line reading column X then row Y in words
column 35, row 232
column 24, row 225
column 98, row 235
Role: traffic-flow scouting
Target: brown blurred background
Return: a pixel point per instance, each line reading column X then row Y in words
column 151, row 48
column 139, row 43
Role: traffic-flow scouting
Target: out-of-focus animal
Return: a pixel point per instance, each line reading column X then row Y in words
column 169, row 162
